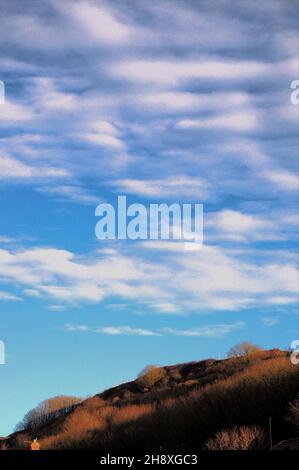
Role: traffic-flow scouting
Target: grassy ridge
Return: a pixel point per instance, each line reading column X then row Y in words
column 185, row 408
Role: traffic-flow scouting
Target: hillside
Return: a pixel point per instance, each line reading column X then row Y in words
column 179, row 407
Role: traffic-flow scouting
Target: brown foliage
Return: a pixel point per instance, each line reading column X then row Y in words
column 243, row 349
column 245, row 400
column 152, row 376
column 238, row 438
column 81, row 422
column 93, row 403
column 48, row 410
column 294, row 413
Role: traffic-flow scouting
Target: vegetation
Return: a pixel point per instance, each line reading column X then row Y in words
column 46, row 411
column 238, row 438
column 151, row 376
column 294, row 413
column 245, row 349
column 224, row 404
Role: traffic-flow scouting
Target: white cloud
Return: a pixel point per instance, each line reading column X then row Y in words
column 173, row 187
column 7, row 296
column 220, row 281
column 175, row 64
column 60, row 275
column 125, row 330
column 58, row 101
column 166, row 307
column 269, row 321
column 73, row 293
column 71, row 192
column 47, row 97
column 11, row 168
column 104, row 140
column 209, row 279
column 97, row 23
column 208, row 331
column 56, row 308
column 284, row 179
column 236, row 122
column 105, row 127
column 76, row 26
column 175, row 101
column 177, row 71
column 12, row 113
column 282, row 300
column 234, row 225
column 71, row 327
column 4, row 239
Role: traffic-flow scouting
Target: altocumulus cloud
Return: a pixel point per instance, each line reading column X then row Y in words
column 209, row 279
column 156, row 119
column 208, row 331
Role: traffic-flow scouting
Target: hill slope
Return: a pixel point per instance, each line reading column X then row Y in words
column 178, row 407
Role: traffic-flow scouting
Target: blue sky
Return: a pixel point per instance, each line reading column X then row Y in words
column 165, row 101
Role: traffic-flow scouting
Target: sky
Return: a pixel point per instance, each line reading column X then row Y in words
column 164, row 101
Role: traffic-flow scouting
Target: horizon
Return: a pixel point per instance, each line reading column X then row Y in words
column 179, row 102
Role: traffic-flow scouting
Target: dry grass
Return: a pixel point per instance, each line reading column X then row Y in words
column 238, row 438
column 76, row 427
column 130, row 413
column 294, row 414
column 94, row 403
column 82, row 421
column 240, row 404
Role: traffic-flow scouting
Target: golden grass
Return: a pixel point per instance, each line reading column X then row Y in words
column 240, row 404
column 238, row 438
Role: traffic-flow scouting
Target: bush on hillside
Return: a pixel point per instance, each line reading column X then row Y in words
column 294, row 413
column 245, row 349
column 46, row 411
column 151, row 376
column 246, row 399
column 238, row 438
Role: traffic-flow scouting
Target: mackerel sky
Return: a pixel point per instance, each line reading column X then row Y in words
column 163, row 101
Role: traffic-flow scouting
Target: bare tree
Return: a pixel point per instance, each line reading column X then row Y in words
column 244, row 349
column 47, row 410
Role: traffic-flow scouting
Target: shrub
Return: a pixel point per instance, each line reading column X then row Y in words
column 294, row 413
column 238, row 438
column 243, row 349
column 237, row 402
column 151, row 376
column 46, row 411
